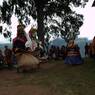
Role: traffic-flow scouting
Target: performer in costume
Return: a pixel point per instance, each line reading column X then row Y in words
column 24, row 58
column 73, row 54
column 18, row 43
column 31, row 44
column 32, row 39
column 20, row 40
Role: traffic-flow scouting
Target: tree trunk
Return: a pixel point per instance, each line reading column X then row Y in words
column 40, row 22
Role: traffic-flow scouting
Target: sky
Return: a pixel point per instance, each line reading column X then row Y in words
column 88, row 28
column 86, row 31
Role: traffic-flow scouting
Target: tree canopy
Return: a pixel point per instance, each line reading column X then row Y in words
column 93, row 5
column 44, row 12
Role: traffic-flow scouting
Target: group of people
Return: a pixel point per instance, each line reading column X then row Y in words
column 24, row 52
column 55, row 52
column 27, row 51
column 70, row 53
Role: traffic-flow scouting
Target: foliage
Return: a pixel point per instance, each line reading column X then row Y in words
column 93, row 4
column 67, row 26
column 42, row 10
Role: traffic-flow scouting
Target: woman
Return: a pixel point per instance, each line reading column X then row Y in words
column 73, row 54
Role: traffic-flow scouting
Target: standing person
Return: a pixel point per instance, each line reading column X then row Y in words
column 1, row 59
column 20, row 40
column 50, row 53
column 93, row 48
column 63, row 52
column 32, row 40
column 73, row 54
column 18, row 44
column 8, row 57
column 57, row 53
column 86, row 50
column 90, row 50
column 24, row 48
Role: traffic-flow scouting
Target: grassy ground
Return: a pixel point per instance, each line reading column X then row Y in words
column 54, row 78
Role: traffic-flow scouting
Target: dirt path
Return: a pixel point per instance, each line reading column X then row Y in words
column 23, row 90
column 8, row 85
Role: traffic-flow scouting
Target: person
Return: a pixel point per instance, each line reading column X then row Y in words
column 63, row 52
column 93, row 48
column 52, row 53
column 57, row 52
column 31, row 42
column 18, row 43
column 20, row 40
column 73, row 54
column 86, row 49
column 8, row 56
column 90, row 50
column 1, row 59
column 24, row 47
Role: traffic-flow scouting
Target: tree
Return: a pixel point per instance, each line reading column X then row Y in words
column 93, row 5
column 68, row 28
column 42, row 10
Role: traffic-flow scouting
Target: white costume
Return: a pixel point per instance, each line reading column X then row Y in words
column 30, row 43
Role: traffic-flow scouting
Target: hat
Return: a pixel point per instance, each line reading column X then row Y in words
column 33, row 30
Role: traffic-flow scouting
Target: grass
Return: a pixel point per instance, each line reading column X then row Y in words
column 60, row 79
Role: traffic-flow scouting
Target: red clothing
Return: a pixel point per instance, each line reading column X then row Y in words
column 19, row 43
column 23, row 39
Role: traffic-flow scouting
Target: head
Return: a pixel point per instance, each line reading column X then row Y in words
column 6, row 47
column 20, row 27
column 0, row 51
column 71, row 43
column 20, row 30
column 32, row 32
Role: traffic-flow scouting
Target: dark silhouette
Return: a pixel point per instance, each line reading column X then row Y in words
column 63, row 52
column 8, row 57
column 1, row 59
column 86, row 49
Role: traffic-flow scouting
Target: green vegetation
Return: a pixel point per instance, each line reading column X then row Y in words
column 44, row 12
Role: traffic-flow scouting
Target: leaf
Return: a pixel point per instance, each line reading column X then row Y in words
column 1, row 28
column 5, row 35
